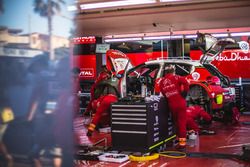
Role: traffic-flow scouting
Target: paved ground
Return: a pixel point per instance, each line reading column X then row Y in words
column 227, row 140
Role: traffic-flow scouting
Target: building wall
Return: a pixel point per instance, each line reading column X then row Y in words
column 13, row 38
column 35, row 40
column 40, row 41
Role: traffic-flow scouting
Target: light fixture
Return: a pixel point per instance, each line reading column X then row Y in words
column 190, row 36
column 220, row 35
column 115, row 4
column 240, row 34
column 163, row 37
column 122, row 39
column 172, row 0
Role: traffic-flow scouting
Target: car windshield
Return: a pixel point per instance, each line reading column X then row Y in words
column 182, row 69
column 143, row 74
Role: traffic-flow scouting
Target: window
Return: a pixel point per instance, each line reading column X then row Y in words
column 84, row 49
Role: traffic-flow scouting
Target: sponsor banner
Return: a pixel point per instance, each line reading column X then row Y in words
column 87, row 66
column 84, row 40
column 234, row 63
column 87, row 72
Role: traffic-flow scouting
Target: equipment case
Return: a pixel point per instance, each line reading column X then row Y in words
column 141, row 126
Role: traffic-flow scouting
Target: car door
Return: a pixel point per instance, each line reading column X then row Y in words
column 117, row 61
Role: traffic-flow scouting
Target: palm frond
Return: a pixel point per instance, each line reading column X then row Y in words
column 55, row 7
column 40, row 7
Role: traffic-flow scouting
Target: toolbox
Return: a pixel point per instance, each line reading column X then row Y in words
column 141, row 125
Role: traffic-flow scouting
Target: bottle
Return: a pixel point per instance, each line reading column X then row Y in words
column 143, row 90
column 192, row 139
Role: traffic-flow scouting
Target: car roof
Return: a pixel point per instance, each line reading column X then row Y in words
column 182, row 61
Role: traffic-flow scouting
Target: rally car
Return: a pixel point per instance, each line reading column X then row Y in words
column 208, row 87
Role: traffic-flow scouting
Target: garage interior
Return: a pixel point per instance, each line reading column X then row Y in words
column 159, row 21
column 140, row 32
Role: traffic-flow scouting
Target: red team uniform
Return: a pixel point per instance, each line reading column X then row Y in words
column 195, row 113
column 172, row 86
column 102, row 76
column 102, row 108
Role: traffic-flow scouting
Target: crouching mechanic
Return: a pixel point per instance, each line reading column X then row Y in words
column 173, row 87
column 102, row 114
column 195, row 114
column 104, row 75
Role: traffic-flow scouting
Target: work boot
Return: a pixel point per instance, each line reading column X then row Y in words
column 181, row 146
column 91, row 129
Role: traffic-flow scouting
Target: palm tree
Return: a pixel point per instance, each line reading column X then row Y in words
column 48, row 10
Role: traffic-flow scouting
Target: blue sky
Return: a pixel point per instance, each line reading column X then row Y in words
column 17, row 14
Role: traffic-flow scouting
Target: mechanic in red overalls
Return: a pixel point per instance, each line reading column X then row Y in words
column 102, row 108
column 196, row 113
column 173, row 87
column 105, row 74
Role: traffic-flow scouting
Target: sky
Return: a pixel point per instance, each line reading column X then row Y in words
column 19, row 14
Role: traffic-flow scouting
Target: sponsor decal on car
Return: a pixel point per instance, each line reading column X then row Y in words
column 195, row 76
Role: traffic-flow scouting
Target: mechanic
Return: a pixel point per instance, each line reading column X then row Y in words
column 195, row 114
column 102, row 114
column 174, row 87
column 104, row 74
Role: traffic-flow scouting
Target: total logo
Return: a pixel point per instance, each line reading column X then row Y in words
column 87, row 72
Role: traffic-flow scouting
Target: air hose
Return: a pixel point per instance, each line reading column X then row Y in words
column 169, row 154
column 144, row 158
column 173, row 154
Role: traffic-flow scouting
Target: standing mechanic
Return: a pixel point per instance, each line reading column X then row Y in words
column 174, row 87
column 102, row 114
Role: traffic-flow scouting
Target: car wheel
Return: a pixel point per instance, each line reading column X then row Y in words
column 198, row 96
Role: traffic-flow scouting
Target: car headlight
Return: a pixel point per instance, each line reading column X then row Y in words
column 219, row 99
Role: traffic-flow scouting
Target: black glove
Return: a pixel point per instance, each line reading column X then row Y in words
column 89, row 133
